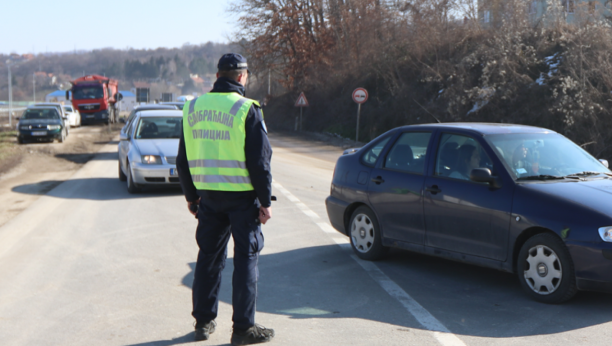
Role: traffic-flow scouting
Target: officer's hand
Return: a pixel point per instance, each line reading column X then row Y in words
column 194, row 213
column 265, row 214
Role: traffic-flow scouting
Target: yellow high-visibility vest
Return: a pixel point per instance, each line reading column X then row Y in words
column 214, row 132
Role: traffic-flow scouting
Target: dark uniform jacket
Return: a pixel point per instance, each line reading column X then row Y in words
column 257, row 150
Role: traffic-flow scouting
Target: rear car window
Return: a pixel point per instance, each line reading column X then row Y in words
column 369, row 157
column 409, row 152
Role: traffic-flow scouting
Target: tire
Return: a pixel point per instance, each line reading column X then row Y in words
column 62, row 138
column 546, row 270
column 131, row 186
column 19, row 140
column 122, row 176
column 365, row 236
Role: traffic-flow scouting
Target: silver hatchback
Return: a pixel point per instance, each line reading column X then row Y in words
column 147, row 149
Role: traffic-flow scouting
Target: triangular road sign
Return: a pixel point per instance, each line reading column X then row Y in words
column 301, row 101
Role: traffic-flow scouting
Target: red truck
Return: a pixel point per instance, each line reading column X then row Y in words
column 95, row 97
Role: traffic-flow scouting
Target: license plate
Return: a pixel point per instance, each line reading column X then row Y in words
column 89, row 116
column 39, row 133
column 173, row 172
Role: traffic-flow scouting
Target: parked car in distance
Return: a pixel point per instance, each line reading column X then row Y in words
column 74, row 117
column 41, row 123
column 147, row 149
column 516, row 198
column 177, row 104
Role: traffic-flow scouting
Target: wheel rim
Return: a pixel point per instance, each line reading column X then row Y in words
column 362, row 233
column 544, row 272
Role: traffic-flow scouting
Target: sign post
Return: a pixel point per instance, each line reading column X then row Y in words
column 300, row 102
column 360, row 95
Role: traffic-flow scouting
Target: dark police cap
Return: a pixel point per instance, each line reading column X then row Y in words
column 232, row 61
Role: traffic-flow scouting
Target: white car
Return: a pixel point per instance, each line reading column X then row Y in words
column 74, row 117
column 148, row 147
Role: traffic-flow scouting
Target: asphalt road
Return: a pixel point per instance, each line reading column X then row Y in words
column 90, row 264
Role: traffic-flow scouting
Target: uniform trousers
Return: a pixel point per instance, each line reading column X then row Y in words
column 217, row 220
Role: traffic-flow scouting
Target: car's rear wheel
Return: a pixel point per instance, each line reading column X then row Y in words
column 131, row 186
column 122, row 176
column 365, row 236
column 546, row 270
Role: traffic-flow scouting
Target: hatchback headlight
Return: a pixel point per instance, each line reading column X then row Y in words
column 54, row 127
column 606, row 233
column 24, row 127
column 151, row 160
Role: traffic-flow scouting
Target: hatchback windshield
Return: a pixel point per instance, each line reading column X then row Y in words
column 41, row 114
column 88, row 93
column 543, row 154
column 158, row 127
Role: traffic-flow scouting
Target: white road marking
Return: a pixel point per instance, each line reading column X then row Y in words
column 424, row 317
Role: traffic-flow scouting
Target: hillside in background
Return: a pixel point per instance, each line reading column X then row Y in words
column 182, row 70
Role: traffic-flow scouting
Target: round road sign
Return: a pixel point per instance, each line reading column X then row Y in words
column 360, row 95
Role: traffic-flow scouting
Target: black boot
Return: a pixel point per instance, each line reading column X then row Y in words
column 203, row 330
column 254, row 335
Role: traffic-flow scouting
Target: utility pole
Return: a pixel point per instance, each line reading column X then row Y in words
column 269, row 81
column 34, row 86
column 10, row 85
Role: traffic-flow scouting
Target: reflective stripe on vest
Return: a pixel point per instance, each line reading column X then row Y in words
column 214, row 133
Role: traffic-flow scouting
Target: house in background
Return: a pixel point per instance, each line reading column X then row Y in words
column 128, row 102
column 58, row 96
column 492, row 12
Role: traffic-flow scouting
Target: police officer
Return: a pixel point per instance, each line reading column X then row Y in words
column 224, row 168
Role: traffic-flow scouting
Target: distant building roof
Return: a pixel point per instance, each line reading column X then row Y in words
column 126, row 93
column 58, row 93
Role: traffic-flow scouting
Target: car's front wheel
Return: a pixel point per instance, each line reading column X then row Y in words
column 365, row 236
column 131, row 186
column 62, row 138
column 545, row 269
column 122, row 176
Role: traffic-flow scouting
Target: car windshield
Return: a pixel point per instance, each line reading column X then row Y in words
column 47, row 113
column 68, row 109
column 543, row 155
column 158, row 127
column 84, row 93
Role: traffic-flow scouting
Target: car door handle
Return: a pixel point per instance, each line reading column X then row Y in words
column 433, row 189
column 378, row 180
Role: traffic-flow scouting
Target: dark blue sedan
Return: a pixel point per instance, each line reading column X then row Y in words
column 516, row 198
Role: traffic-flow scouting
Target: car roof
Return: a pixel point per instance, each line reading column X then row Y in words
column 172, row 103
column 483, row 128
column 42, row 107
column 154, row 106
column 161, row 113
column 48, row 104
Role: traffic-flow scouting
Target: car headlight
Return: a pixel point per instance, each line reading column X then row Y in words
column 151, row 160
column 24, row 127
column 606, row 233
column 54, row 127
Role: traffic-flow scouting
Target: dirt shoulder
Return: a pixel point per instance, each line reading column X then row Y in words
column 28, row 171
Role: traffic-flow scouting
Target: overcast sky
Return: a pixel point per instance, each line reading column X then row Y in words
column 38, row 26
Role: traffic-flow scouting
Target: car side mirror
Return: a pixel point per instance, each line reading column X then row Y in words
column 483, row 175
column 604, row 162
column 118, row 97
column 67, row 95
